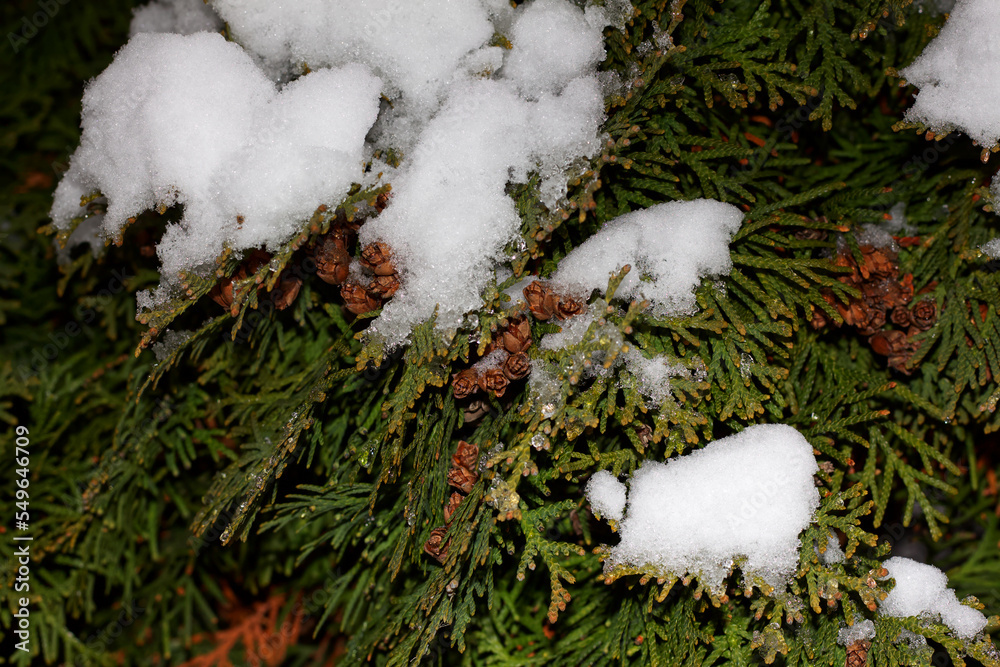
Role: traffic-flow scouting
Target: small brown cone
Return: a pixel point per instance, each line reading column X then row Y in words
column 285, row 292
column 494, row 381
column 466, row 456
column 222, row 293
column 517, row 336
column 873, row 320
column 878, row 261
column 924, row 314
column 357, row 299
column 857, row 653
column 568, row 307
column 453, row 502
column 900, row 316
column 378, row 257
column 333, row 262
column 436, row 546
column 462, row 479
column 465, row 383
column 384, row 286
column 888, row 343
column 517, row 366
column 541, row 301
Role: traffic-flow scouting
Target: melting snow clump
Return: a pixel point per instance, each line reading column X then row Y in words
column 670, row 247
column 922, row 590
column 959, row 74
column 743, row 498
column 652, row 374
column 572, row 331
column 864, row 630
column 170, row 341
column 538, row 64
column 414, row 46
column 833, row 554
column 991, row 248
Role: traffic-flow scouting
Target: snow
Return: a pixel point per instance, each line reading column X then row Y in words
column 87, row 232
column 414, row 46
column 958, row 74
column 991, row 248
column 492, row 360
column 192, row 120
column 168, row 343
column 572, row 332
column 184, row 17
column 896, row 224
column 652, row 374
column 250, row 149
column 606, row 495
column 862, row 631
column 877, row 237
column 833, row 554
column 539, row 63
column 483, row 137
column 935, row 6
column 746, row 497
column 922, row 590
column 545, row 388
column 670, row 247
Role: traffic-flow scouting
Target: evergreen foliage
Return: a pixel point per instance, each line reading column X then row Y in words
column 262, row 489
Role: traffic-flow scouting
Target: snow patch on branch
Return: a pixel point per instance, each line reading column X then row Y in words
column 745, row 497
column 670, row 247
column 922, row 590
column 958, row 74
column 191, row 120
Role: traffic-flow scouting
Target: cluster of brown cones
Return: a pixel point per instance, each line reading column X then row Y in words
column 333, row 266
column 511, row 362
column 282, row 296
column 545, row 304
column 462, row 475
column 332, row 259
column 886, row 313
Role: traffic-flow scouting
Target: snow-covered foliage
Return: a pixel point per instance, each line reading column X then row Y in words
column 862, row 630
column 746, row 497
column 652, row 374
column 959, row 74
column 922, row 590
column 250, row 149
column 991, row 248
column 192, row 120
column 669, row 247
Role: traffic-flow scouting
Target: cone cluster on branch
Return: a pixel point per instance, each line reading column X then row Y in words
column 376, row 258
column 282, row 296
column 513, row 341
column 886, row 312
column 462, row 475
column 546, row 304
column 513, row 363
column 332, row 257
